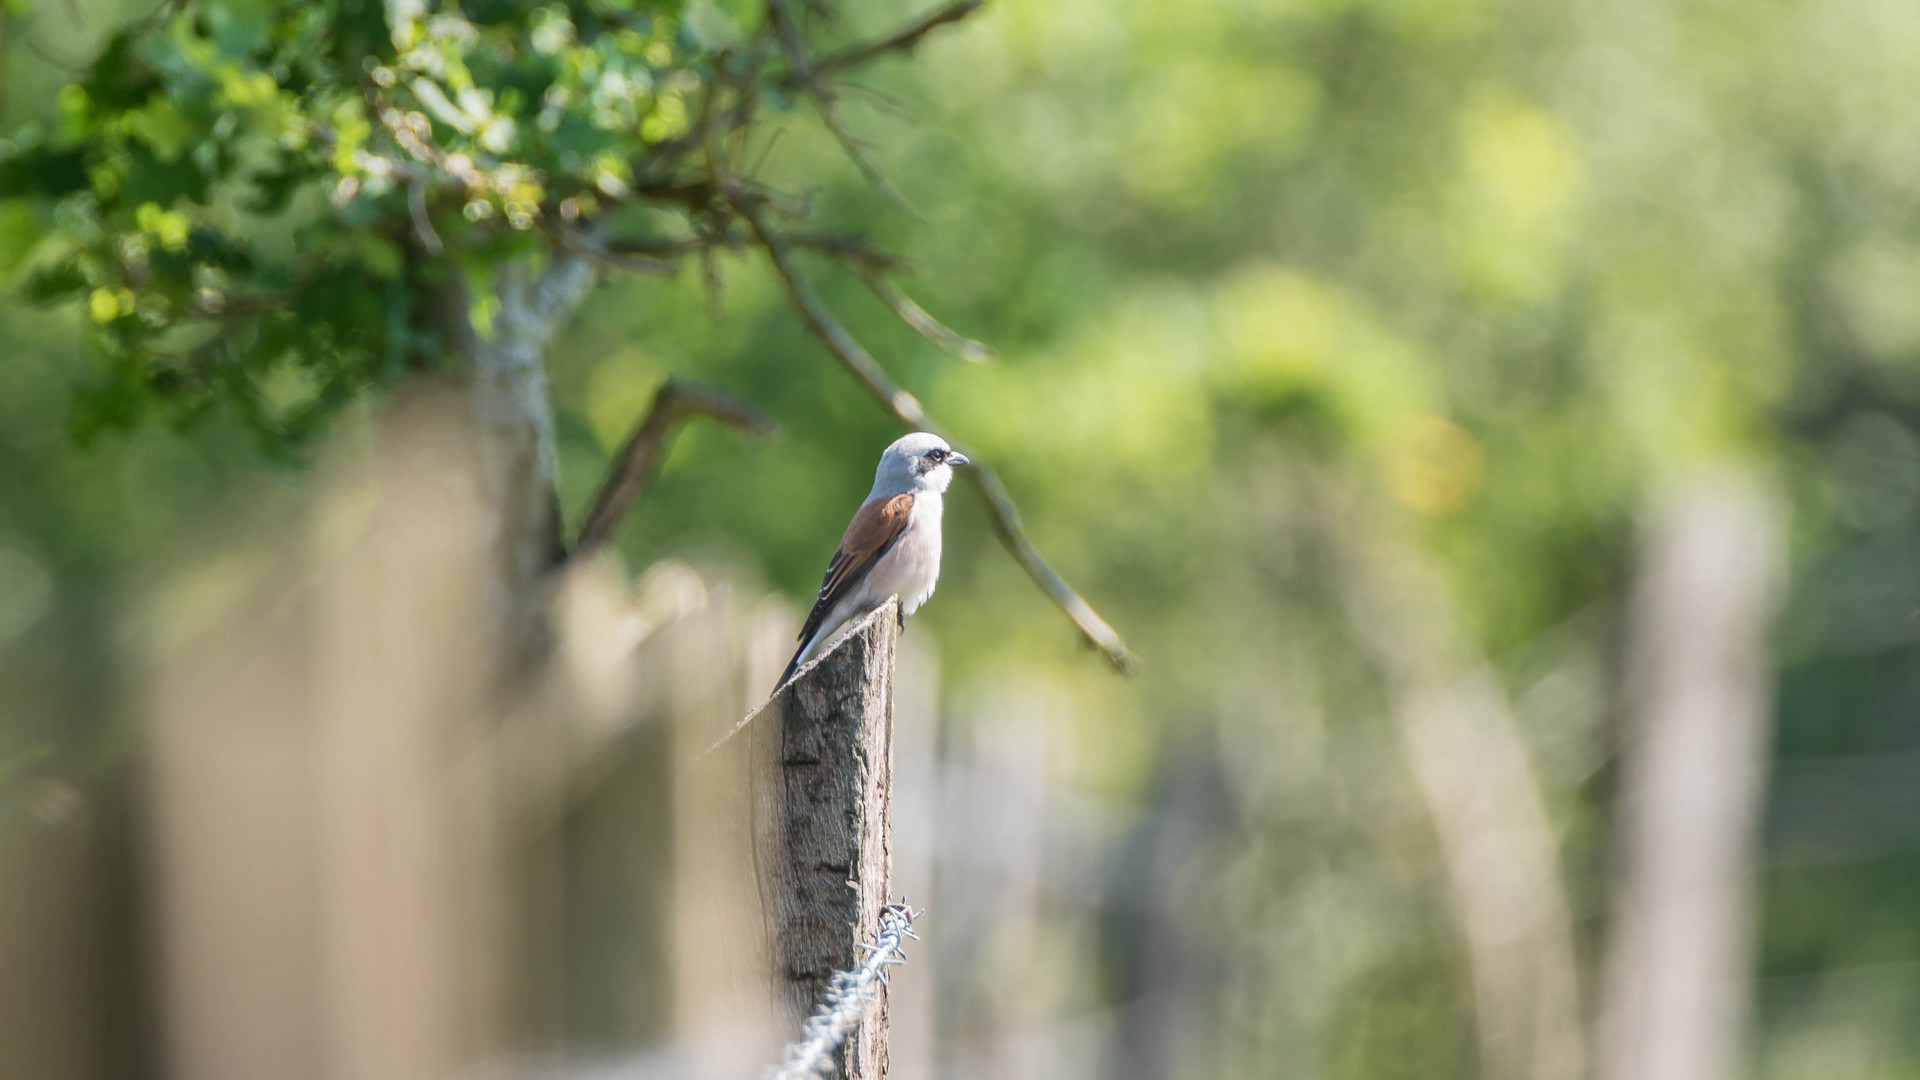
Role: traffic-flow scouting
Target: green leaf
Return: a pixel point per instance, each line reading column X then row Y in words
column 118, row 80
column 240, row 27
column 19, row 231
column 164, row 128
column 52, row 173
column 272, row 191
column 148, row 179
column 49, row 284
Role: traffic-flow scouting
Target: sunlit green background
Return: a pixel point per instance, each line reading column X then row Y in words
column 1498, row 270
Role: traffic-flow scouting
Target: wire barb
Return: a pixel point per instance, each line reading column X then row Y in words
column 849, row 995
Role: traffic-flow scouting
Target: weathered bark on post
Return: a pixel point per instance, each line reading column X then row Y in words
column 823, row 753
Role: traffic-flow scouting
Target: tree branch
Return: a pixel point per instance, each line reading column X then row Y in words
column 821, row 321
column 630, row 474
column 1006, row 523
column 905, row 39
column 422, row 224
column 613, row 257
column 917, row 317
column 851, row 249
column 1000, row 505
column 559, row 289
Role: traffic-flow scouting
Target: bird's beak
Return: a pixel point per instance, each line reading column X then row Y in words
column 957, row 458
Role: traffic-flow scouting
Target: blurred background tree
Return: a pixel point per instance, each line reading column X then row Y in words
column 1262, row 278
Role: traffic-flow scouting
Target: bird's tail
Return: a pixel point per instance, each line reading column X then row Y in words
column 801, row 656
column 793, row 665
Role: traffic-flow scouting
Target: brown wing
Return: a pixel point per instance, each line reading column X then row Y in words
column 875, row 529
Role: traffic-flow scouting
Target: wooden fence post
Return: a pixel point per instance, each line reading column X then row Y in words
column 823, row 753
column 1693, row 767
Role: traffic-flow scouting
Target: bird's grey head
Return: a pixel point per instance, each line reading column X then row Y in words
column 921, row 461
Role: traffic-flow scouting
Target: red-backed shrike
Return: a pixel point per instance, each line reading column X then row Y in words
column 892, row 548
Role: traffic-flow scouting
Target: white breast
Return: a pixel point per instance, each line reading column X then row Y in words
column 912, row 567
column 908, row 570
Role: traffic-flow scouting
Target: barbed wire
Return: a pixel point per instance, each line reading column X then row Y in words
column 849, row 995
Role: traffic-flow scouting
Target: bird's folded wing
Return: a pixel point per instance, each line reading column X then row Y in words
column 878, row 526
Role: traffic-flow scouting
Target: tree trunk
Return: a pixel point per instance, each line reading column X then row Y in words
column 513, row 434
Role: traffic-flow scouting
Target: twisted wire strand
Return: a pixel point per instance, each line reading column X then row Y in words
column 849, row 995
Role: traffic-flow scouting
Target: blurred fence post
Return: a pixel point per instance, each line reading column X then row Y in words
column 721, row 969
column 1465, row 750
column 328, row 869
column 822, row 817
column 1691, row 773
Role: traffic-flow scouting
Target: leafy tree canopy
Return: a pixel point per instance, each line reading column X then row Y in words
column 260, row 202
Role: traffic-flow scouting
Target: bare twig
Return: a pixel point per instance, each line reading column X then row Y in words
column 706, row 125
column 1006, row 523
column 805, row 75
column 849, row 995
column 916, row 316
column 633, row 470
column 852, row 250
column 907, row 409
column 858, row 150
column 821, row 321
column 766, row 151
column 713, row 284
column 880, row 100
column 905, row 39
column 613, row 256
column 780, row 13
column 46, row 53
column 656, row 249
column 634, row 265
column 713, row 141
column 422, row 224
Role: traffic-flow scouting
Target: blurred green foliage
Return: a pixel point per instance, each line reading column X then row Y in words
column 225, row 187
column 1506, row 268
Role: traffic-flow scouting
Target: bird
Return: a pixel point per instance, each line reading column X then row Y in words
column 892, row 547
